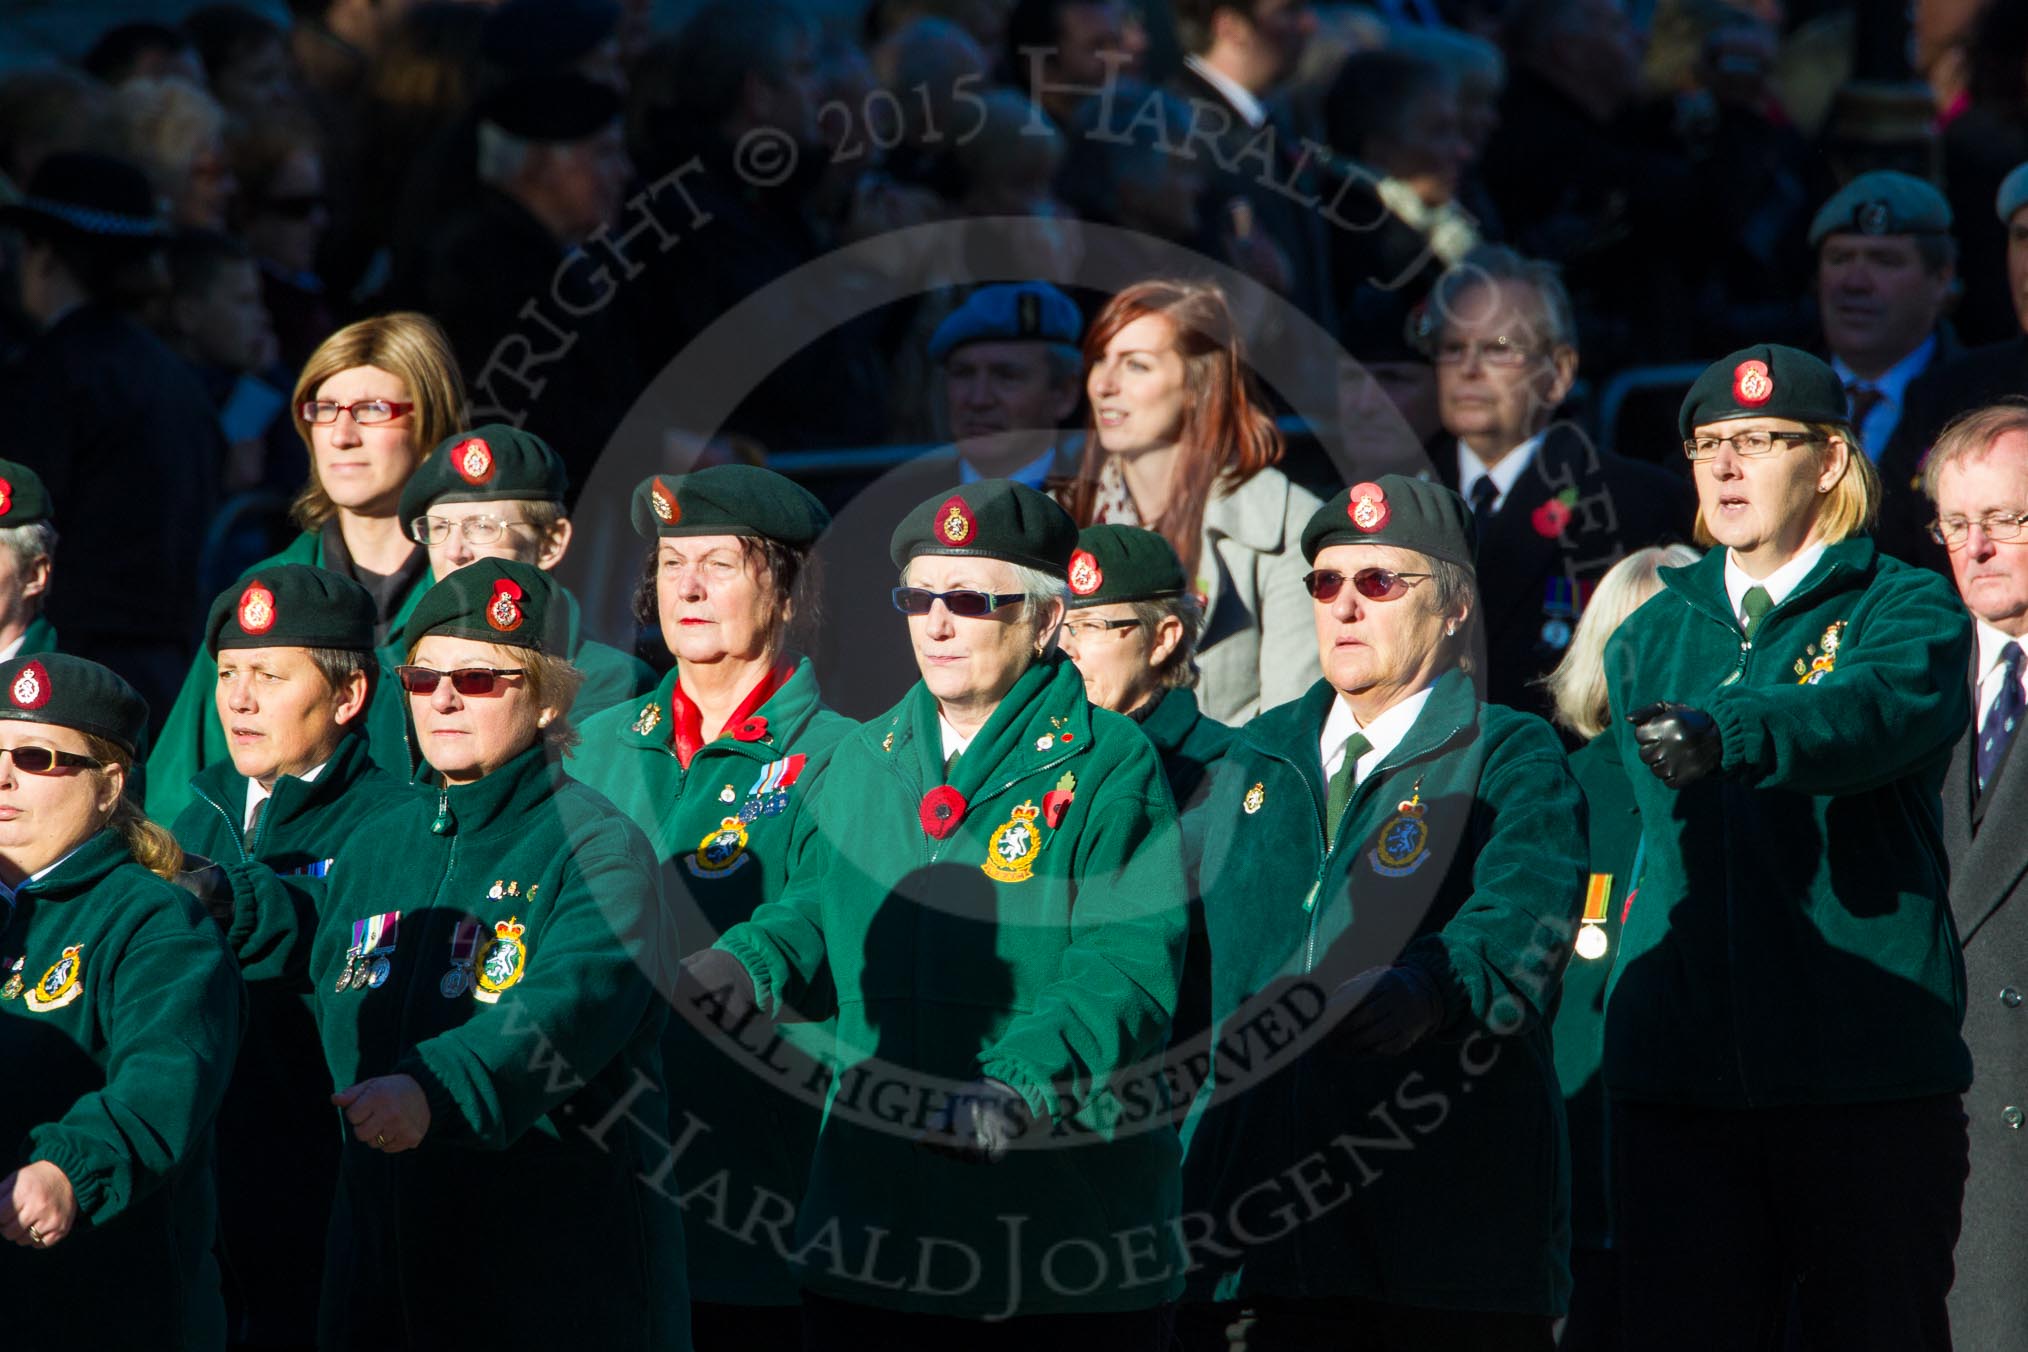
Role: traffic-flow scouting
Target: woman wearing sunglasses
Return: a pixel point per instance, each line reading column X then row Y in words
column 1402, row 863
column 371, row 402
column 990, row 902
column 1178, row 443
column 483, row 960
column 718, row 765
column 1782, row 1030
column 119, row 1021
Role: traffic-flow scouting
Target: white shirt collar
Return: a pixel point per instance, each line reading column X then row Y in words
column 256, row 795
column 954, row 740
column 1991, row 642
column 1779, row 583
column 1893, row 382
column 1238, row 95
column 1384, row 733
column 1505, row 474
column 10, row 651
column 43, row 872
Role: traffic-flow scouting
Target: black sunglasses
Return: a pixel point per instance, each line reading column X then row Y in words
column 1375, row 584
column 43, row 760
column 465, row 680
column 970, row 604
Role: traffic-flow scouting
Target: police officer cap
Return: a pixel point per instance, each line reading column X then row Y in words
column 1013, row 313
column 93, row 198
column 729, row 500
column 71, row 692
column 2013, row 193
column 552, row 108
column 989, row 519
column 497, row 601
column 1764, row 381
column 291, row 605
column 537, row 35
column 1882, row 202
column 493, row 463
column 1396, row 510
column 23, row 499
column 1122, row 563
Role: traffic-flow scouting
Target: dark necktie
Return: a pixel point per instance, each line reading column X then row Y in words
column 260, row 810
column 2001, row 719
column 1339, row 792
column 1484, row 493
column 1756, row 603
column 950, row 764
column 1864, row 399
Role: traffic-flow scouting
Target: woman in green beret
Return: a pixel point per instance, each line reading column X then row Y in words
column 718, row 766
column 987, row 896
column 372, row 400
column 1577, row 691
column 1391, row 869
column 119, row 1019
column 1782, row 1047
column 483, row 960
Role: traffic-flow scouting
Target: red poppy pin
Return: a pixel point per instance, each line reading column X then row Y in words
column 31, row 687
column 256, row 609
column 943, row 807
column 1368, row 508
column 503, row 612
column 1058, row 800
column 751, row 729
column 6, row 497
column 474, row 460
column 954, row 521
column 1086, row 576
column 1552, row 516
column 1752, row 386
column 667, row 510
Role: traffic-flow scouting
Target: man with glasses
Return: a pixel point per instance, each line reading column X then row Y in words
column 1553, row 512
column 1978, row 479
column 497, row 492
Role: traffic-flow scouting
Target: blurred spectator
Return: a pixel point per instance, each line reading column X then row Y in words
column 1481, row 73
column 176, row 132
column 246, row 61
column 1062, row 51
column 142, row 51
column 215, row 319
column 119, row 429
column 1988, row 137
column 283, row 210
column 1123, row 171
column 44, row 109
column 334, row 42
column 926, row 65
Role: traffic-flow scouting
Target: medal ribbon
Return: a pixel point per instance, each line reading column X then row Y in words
column 1596, row 894
column 464, row 941
column 686, row 723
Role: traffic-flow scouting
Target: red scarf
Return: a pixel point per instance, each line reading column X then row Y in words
column 686, row 732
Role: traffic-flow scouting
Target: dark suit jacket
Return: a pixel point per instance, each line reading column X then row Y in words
column 1988, row 847
column 1977, row 376
column 1530, row 572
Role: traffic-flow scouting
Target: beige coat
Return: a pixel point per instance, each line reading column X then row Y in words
column 1260, row 638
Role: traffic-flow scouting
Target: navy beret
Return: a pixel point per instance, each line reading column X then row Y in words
column 1016, row 312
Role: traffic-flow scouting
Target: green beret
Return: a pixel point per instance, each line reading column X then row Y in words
column 494, row 463
column 23, row 499
column 291, row 605
column 989, row 519
column 1766, row 381
column 71, row 692
column 1396, row 510
column 1882, row 202
column 496, row 601
column 730, row 500
column 1122, row 563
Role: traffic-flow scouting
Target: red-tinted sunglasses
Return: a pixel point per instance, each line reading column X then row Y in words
column 1375, row 584
column 465, row 680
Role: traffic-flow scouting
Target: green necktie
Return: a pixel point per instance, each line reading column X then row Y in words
column 1340, row 791
column 950, row 764
column 1756, row 603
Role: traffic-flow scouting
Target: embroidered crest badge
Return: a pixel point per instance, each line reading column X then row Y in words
column 1403, row 844
column 31, row 687
column 662, row 500
column 1752, row 385
column 720, row 853
column 1368, row 508
column 1013, row 846
column 256, row 609
column 473, row 460
column 1086, row 576
column 504, row 961
column 954, row 521
column 503, row 612
column 61, row 984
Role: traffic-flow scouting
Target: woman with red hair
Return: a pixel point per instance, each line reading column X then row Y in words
column 1178, row 443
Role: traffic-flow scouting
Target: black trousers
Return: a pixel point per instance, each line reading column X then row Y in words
column 840, row 1326
column 1266, row 1324
column 1827, row 1227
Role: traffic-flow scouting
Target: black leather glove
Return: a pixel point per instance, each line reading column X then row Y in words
column 713, row 977
column 1387, row 1010
column 1680, row 744
column 207, row 882
column 983, row 1120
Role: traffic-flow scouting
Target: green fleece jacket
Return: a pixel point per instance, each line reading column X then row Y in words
column 120, row 1014
column 756, row 1089
column 1793, row 943
column 1438, row 1177
column 519, row 988
column 1037, row 943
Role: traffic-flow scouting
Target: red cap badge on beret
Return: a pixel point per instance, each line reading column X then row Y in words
column 6, row 497
column 1752, row 386
column 667, row 510
column 954, row 521
column 31, row 687
column 503, row 612
column 474, row 460
column 1086, row 576
column 1368, row 508
column 256, row 609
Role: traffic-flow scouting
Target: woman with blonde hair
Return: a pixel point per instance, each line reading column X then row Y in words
column 1178, row 442
column 175, row 131
column 120, row 1013
column 1577, row 690
column 371, row 402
